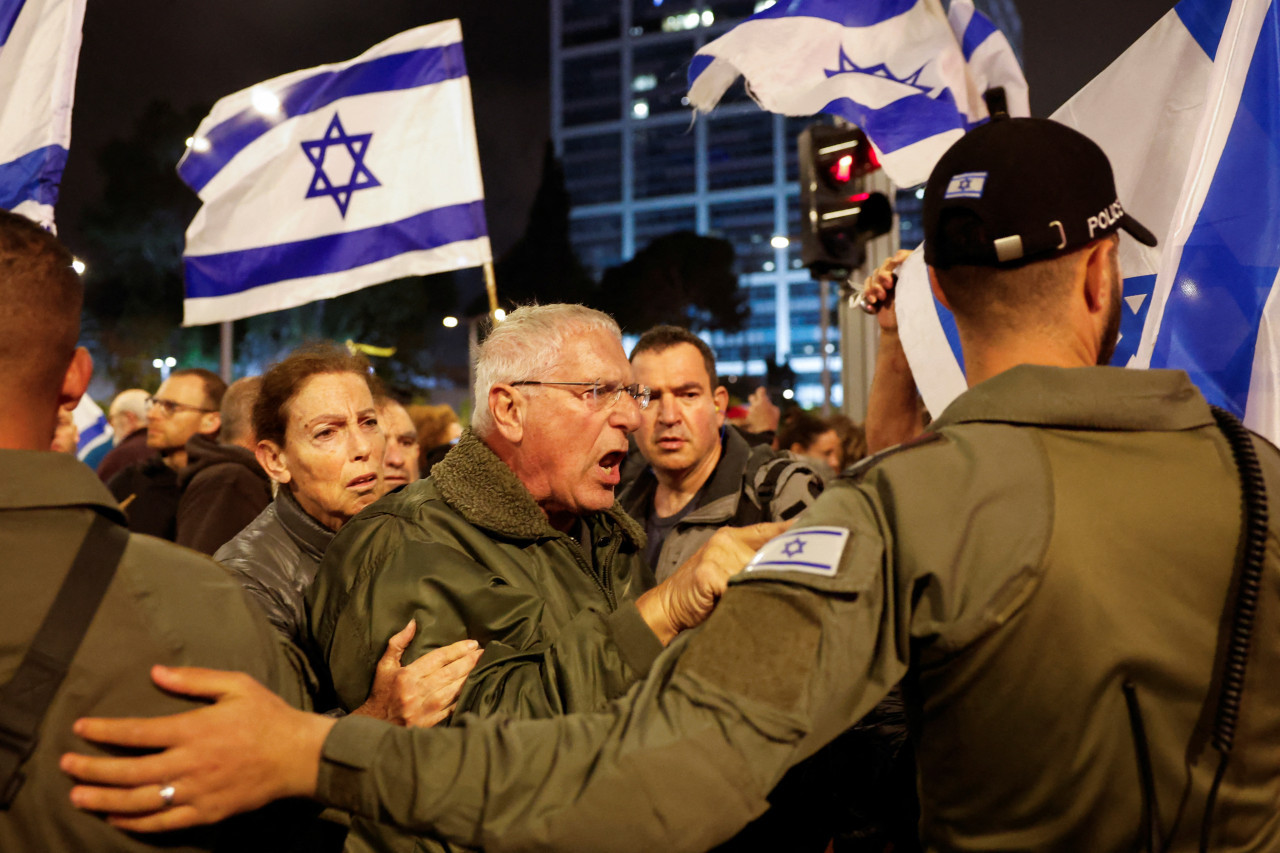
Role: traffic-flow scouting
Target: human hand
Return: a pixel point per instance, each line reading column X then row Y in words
column 762, row 414
column 687, row 597
column 239, row 753
column 878, row 291
column 424, row 692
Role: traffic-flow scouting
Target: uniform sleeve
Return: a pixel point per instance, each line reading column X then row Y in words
column 526, row 670
column 787, row 661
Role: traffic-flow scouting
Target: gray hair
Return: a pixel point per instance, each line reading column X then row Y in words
column 134, row 400
column 527, row 345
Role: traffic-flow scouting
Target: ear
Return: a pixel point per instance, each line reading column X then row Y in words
column 721, row 398
column 76, row 380
column 1097, row 277
column 273, row 460
column 937, row 290
column 210, row 423
column 508, row 408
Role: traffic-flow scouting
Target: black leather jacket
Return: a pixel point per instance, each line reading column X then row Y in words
column 275, row 558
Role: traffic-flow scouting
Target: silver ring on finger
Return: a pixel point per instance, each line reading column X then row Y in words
column 167, row 793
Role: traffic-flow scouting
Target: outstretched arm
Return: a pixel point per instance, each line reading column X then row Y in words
column 893, row 411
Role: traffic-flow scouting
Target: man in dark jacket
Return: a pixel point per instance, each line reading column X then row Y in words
column 701, row 473
column 186, row 405
column 223, row 486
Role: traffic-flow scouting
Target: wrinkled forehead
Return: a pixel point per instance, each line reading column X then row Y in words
column 677, row 366
column 329, row 394
column 591, row 355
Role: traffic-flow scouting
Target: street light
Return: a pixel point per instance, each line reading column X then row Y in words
column 164, row 365
column 450, row 322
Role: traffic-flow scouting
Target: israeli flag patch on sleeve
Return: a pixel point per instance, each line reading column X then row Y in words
column 966, row 185
column 814, row 550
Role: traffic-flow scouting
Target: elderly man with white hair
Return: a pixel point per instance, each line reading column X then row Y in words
column 128, row 418
column 515, row 541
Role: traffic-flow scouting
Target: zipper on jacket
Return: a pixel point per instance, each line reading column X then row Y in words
column 1150, row 831
column 576, row 550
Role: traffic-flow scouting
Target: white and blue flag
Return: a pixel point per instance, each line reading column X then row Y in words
column 95, row 431
column 331, row 179
column 910, row 76
column 39, row 50
column 1190, row 118
column 808, row 550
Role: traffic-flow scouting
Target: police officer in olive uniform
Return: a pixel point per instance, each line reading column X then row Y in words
column 1059, row 571
column 163, row 604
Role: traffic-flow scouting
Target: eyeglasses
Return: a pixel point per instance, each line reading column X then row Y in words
column 170, row 408
column 604, row 394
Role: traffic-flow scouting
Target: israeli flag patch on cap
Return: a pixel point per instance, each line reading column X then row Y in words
column 966, row 185
column 814, row 550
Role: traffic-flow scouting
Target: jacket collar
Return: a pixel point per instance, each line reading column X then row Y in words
column 725, row 480
column 1107, row 398
column 480, row 486
column 41, row 478
column 311, row 536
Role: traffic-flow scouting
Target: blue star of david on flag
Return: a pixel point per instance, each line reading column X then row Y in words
column 357, row 146
column 795, row 546
column 812, row 550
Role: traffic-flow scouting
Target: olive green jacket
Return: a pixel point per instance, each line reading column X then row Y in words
column 467, row 553
column 165, row 605
column 1061, row 534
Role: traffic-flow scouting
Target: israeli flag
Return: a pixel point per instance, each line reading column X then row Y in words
column 328, row 180
column 1190, row 117
column 95, row 432
column 911, row 77
column 39, row 50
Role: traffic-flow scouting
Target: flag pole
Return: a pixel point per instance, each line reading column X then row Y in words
column 491, row 287
column 224, row 362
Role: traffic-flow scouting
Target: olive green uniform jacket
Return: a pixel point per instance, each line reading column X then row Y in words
column 467, row 553
column 1065, row 532
column 165, row 605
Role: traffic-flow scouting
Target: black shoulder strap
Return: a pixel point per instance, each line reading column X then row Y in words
column 26, row 698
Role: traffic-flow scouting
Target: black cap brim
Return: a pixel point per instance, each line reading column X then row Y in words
column 1137, row 230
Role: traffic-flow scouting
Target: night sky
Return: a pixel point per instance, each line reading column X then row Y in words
column 192, row 53
column 186, row 53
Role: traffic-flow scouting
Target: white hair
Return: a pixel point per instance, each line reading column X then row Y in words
column 133, row 400
column 526, row 345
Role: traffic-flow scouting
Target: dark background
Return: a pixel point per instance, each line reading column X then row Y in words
column 192, row 53
column 150, row 69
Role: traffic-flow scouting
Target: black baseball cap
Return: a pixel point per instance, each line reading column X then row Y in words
column 1020, row 189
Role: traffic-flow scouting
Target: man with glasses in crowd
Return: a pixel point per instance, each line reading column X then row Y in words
column 516, row 541
column 186, row 405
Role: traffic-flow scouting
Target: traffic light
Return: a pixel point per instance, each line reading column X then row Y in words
column 840, row 214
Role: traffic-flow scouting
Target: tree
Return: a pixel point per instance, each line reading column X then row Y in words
column 134, row 238
column 542, row 266
column 683, row 278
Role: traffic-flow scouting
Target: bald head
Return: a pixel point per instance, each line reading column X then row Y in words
column 237, row 412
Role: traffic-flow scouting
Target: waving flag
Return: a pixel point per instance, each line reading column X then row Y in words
column 328, row 180
column 95, row 431
column 39, row 49
column 911, row 79
column 1190, row 117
